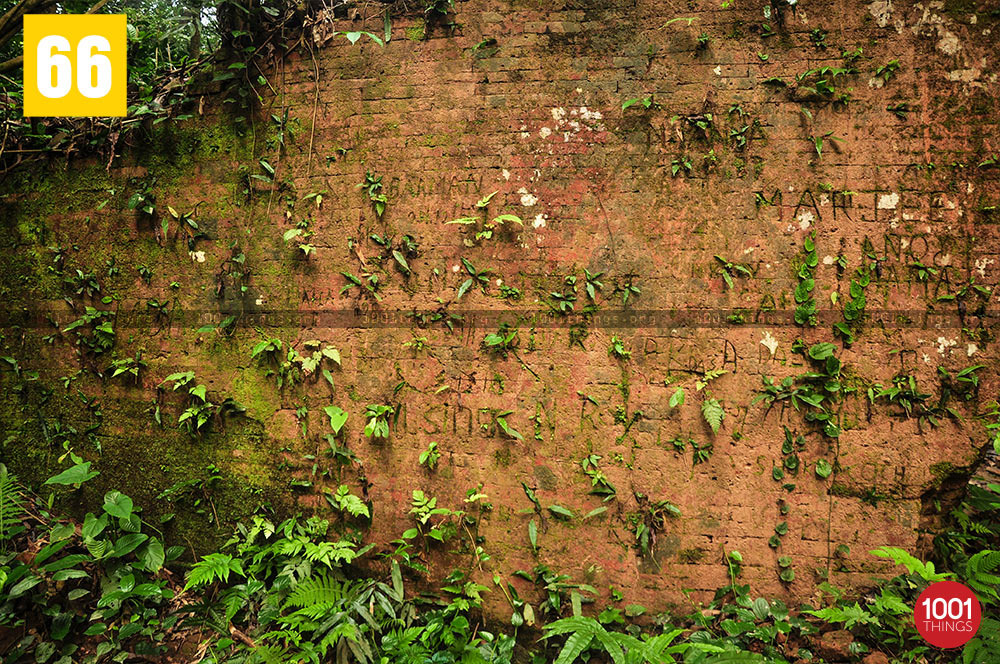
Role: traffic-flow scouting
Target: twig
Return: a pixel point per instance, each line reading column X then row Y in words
column 240, row 636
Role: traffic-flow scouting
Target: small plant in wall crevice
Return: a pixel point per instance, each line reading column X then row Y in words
column 378, row 418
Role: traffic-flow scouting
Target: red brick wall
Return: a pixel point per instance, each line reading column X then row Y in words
column 537, row 116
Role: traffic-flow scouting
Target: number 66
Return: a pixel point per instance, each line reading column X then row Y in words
column 88, row 63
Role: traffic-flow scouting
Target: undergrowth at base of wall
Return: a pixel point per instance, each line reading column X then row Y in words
column 110, row 589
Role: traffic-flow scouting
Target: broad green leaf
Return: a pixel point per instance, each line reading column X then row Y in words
column 823, row 468
column 78, row 474
column 677, row 398
column 337, row 417
column 118, row 504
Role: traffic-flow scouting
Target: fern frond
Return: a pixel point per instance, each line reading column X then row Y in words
column 318, row 589
column 567, row 625
column 913, row 565
column 575, row 645
column 213, row 567
column 582, row 631
column 11, row 502
column 982, row 573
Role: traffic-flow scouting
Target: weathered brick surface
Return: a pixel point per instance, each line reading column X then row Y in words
column 538, row 117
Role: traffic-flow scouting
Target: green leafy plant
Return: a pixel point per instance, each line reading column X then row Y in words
column 432, row 522
column 400, row 252
column 301, row 234
column 429, row 457
column 905, row 394
column 617, row 349
column 813, row 392
column 94, row 331
column 289, row 366
column 627, row 289
column 563, row 301
column 476, row 277
column 12, row 509
column 900, row 110
column 681, row 163
column 887, row 71
column 197, row 416
column 143, row 200
column 82, row 283
column 129, row 366
column 728, row 270
column 484, row 227
column 558, row 590
column 713, row 413
column 368, row 284
column 185, row 223
column 503, row 341
column 982, row 574
column 503, row 425
column 344, row 501
column 818, row 140
column 377, row 426
column 646, row 102
column 438, row 8
column 600, row 485
column 372, row 186
column 650, row 520
column 805, row 310
column 854, row 308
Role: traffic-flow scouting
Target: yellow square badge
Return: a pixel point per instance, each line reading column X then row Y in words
column 74, row 65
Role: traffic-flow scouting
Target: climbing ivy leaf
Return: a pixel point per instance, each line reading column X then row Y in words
column 823, row 468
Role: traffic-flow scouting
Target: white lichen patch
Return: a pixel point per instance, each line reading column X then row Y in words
column 539, row 221
column 805, row 219
column 197, row 256
column 527, row 198
column 888, row 201
column 948, row 43
column 931, row 23
column 964, row 75
column 769, row 342
column 944, row 344
column 981, row 265
column 971, row 349
column 881, row 11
